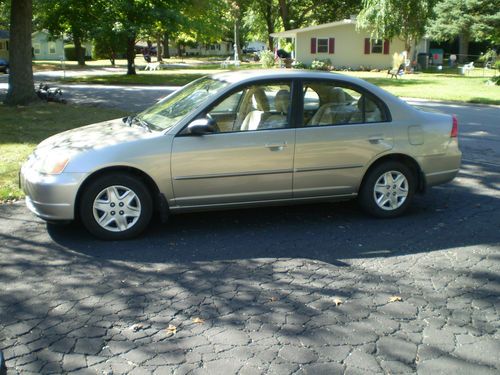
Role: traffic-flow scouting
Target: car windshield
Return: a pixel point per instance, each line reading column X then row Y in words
column 169, row 111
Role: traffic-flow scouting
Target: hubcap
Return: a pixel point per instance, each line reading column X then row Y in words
column 391, row 190
column 106, row 204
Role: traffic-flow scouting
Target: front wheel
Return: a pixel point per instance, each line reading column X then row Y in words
column 116, row 207
column 388, row 189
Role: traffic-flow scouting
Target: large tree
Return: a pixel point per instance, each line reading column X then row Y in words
column 396, row 19
column 74, row 18
column 21, row 86
column 477, row 20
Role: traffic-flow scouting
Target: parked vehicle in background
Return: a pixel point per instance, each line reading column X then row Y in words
column 4, row 66
column 243, row 139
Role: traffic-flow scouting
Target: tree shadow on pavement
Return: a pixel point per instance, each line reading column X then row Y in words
column 276, row 290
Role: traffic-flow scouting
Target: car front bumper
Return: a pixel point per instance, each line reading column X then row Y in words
column 51, row 197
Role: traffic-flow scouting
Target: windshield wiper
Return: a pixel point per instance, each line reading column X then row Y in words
column 143, row 123
column 134, row 119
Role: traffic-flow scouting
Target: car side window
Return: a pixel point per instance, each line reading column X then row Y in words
column 255, row 107
column 341, row 104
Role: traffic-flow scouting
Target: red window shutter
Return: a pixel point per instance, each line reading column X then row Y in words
column 386, row 47
column 313, row 45
column 331, row 45
column 367, row 46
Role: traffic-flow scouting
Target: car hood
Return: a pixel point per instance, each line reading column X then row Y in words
column 93, row 136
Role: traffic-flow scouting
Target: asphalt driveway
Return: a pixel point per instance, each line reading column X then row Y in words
column 305, row 289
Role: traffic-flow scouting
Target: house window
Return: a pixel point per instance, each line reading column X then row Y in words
column 323, row 45
column 36, row 48
column 377, row 45
column 52, row 48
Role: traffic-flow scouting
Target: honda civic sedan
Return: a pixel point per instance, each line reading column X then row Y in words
column 243, row 139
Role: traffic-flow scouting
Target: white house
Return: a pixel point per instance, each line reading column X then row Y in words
column 343, row 44
column 45, row 47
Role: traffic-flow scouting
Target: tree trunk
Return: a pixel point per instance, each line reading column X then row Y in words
column 131, row 55
column 159, row 52
column 21, row 87
column 463, row 47
column 284, row 14
column 166, row 42
column 179, row 49
column 80, row 56
column 270, row 24
column 112, row 57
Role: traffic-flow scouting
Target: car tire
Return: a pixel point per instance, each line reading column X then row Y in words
column 387, row 189
column 116, row 207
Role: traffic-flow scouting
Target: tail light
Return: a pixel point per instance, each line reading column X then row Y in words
column 454, row 128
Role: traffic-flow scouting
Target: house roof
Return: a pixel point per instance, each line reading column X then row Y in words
column 4, row 34
column 293, row 33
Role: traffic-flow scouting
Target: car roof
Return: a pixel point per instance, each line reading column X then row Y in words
column 248, row 76
column 244, row 75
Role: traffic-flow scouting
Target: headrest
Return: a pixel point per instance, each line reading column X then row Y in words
column 336, row 95
column 281, row 101
column 370, row 105
column 260, row 99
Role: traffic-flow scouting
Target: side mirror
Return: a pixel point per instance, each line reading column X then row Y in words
column 202, row 126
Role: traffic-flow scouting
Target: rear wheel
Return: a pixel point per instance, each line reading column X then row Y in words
column 388, row 189
column 116, row 207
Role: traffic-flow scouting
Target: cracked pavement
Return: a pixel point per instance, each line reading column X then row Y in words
column 287, row 290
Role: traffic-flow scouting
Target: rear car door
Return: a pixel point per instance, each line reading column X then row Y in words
column 343, row 128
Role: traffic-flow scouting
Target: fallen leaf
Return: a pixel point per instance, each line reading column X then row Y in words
column 395, row 299
column 198, row 320
column 273, row 299
column 171, row 329
column 337, row 301
column 136, row 327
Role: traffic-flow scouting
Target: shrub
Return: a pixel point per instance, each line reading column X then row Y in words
column 494, row 80
column 298, row 65
column 70, row 52
column 325, row 64
column 267, row 59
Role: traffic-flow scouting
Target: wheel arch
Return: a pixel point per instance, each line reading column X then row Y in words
column 135, row 172
column 410, row 162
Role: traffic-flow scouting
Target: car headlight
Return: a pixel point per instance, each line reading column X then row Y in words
column 51, row 164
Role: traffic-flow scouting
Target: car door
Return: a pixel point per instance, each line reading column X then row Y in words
column 343, row 128
column 245, row 160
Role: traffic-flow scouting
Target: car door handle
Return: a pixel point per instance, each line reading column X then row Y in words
column 276, row 146
column 376, row 139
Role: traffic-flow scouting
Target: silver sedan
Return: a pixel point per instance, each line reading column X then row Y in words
column 243, row 139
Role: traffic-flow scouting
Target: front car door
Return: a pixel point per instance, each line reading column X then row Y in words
column 249, row 158
column 343, row 128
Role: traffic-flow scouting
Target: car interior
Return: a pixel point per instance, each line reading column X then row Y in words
column 261, row 107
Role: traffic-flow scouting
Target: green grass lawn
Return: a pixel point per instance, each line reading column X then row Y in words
column 435, row 86
column 22, row 128
column 173, row 78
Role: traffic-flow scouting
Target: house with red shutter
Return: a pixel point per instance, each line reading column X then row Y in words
column 343, row 44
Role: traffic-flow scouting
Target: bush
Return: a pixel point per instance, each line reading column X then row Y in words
column 494, row 80
column 325, row 64
column 267, row 59
column 298, row 65
column 70, row 52
column 497, row 65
